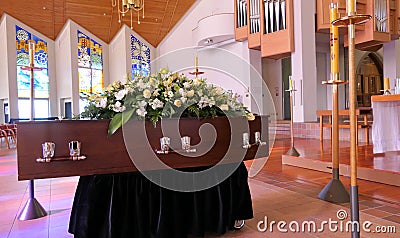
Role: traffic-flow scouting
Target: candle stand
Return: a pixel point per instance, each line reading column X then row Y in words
column 292, row 151
column 32, row 209
column 334, row 191
column 196, row 68
column 350, row 20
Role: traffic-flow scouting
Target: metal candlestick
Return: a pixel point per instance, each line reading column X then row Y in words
column 32, row 209
column 351, row 20
column 292, row 151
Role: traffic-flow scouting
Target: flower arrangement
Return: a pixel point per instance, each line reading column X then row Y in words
column 161, row 95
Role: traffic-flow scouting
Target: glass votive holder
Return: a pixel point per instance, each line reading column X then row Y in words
column 246, row 140
column 257, row 137
column 48, row 149
column 165, row 143
column 74, row 149
column 185, row 143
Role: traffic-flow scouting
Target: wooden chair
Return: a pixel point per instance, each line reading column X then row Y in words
column 8, row 134
column 3, row 135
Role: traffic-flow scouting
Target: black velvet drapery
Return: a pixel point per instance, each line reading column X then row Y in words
column 129, row 205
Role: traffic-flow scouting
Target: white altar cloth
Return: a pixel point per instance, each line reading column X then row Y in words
column 386, row 126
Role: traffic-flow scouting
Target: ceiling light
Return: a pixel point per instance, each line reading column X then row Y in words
column 128, row 6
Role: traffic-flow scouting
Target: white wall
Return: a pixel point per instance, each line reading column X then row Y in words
column 304, row 62
column 10, row 23
column 3, row 68
column 119, row 56
column 3, row 59
column 272, row 75
column 120, row 53
column 243, row 65
column 63, row 65
column 68, row 63
column 181, row 35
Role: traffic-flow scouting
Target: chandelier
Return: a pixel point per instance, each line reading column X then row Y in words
column 127, row 7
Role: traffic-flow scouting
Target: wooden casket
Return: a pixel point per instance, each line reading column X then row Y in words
column 217, row 140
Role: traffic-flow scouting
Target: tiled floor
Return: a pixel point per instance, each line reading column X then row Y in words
column 279, row 193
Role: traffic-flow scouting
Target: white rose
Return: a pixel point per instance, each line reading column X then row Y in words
column 178, row 103
column 224, row 107
column 190, row 93
column 218, row 90
column 251, row 117
column 147, row 93
column 153, row 82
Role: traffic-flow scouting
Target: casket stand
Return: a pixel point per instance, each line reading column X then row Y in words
column 114, row 200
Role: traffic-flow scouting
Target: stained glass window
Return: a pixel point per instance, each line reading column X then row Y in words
column 140, row 54
column 41, row 76
column 90, row 67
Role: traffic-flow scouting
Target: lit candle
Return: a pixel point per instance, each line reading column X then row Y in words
column 351, row 6
column 31, row 53
column 386, row 84
column 290, row 82
column 196, row 62
column 334, row 40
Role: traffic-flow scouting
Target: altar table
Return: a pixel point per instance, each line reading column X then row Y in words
column 386, row 125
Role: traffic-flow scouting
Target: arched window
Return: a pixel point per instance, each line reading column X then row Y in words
column 140, row 54
column 41, row 76
column 90, row 67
